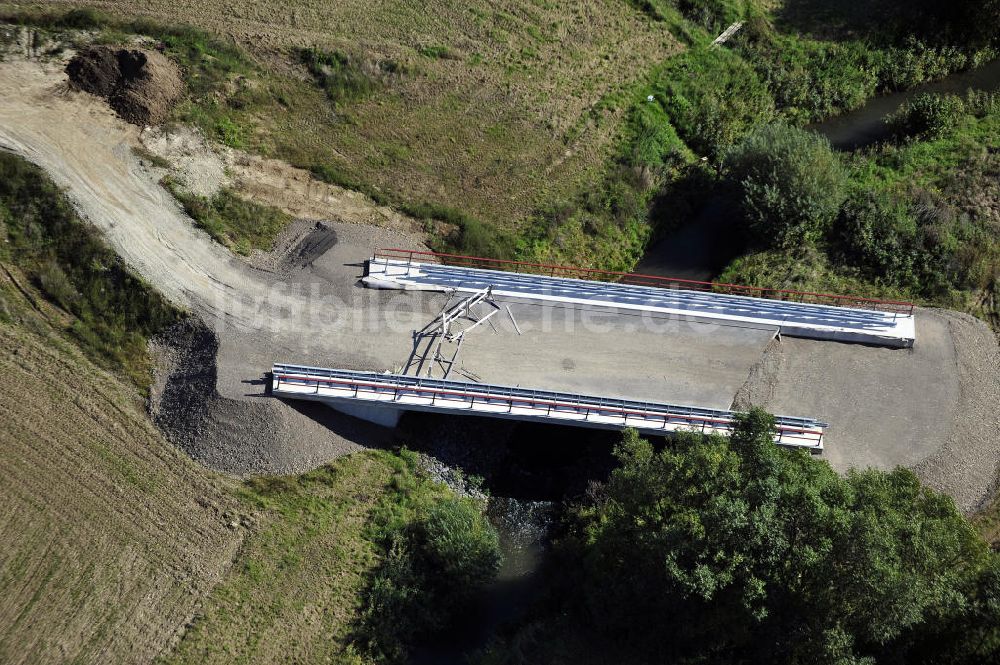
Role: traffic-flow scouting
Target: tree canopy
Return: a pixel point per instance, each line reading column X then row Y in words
column 737, row 551
column 790, row 182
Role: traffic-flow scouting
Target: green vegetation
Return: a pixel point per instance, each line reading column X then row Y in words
column 790, row 184
column 368, row 545
column 233, row 221
column 738, row 551
column 920, row 221
column 439, row 550
column 342, row 77
column 708, row 99
column 712, row 96
column 110, row 312
column 927, row 116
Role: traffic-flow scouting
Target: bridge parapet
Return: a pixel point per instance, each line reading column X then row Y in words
column 338, row 387
column 681, row 299
column 411, row 257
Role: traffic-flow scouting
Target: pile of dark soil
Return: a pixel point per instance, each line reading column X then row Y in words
column 141, row 86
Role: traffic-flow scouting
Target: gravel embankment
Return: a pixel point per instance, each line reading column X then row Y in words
column 966, row 465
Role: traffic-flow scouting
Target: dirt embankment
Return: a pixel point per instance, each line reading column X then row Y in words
column 141, row 86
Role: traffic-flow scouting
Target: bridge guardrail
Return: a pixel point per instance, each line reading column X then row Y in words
column 637, row 279
column 394, row 387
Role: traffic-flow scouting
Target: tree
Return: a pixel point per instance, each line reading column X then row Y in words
column 790, row 183
column 718, row 550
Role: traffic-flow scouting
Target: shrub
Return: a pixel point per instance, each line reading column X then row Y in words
column 712, row 97
column 927, row 115
column 876, row 234
column 790, row 183
column 461, row 547
column 345, row 78
column 438, row 554
column 980, row 103
column 813, row 80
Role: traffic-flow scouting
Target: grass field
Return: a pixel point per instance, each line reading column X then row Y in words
column 111, row 537
column 492, row 108
column 295, row 592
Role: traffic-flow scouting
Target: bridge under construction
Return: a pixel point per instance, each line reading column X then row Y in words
column 488, row 287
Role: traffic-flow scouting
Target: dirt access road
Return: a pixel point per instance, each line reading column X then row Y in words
column 885, row 407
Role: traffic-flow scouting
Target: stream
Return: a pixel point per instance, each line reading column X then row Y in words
column 866, row 125
column 701, row 249
column 528, row 469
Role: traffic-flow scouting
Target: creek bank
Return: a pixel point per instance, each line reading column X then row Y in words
column 866, row 125
column 701, row 249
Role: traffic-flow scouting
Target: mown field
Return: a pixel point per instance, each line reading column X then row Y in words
column 111, row 537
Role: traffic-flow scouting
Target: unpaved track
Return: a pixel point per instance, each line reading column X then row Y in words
column 885, row 407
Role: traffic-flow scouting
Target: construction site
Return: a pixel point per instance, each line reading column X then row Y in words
column 287, row 358
column 888, row 382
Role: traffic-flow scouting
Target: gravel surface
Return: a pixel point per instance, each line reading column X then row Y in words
column 966, row 465
column 242, row 437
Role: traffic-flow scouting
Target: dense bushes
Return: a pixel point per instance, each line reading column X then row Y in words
column 809, row 80
column 711, row 550
column 439, row 550
column 712, row 97
column 713, row 15
column 790, row 182
column 878, row 234
column 927, row 115
column 113, row 311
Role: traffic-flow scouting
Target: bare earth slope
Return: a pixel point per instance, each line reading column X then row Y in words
column 111, row 537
